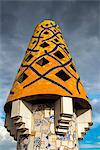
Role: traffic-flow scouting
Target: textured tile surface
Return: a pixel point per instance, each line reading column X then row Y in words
column 44, row 137
column 43, row 126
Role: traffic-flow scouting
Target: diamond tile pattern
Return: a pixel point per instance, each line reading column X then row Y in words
column 47, row 52
column 42, row 62
column 46, row 32
column 22, row 77
column 73, row 67
column 28, row 57
column 62, row 75
column 59, row 54
column 45, row 44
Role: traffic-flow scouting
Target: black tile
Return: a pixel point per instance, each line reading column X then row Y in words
column 42, row 62
column 45, row 44
column 61, row 36
column 59, row 54
column 62, row 75
column 11, row 92
column 73, row 67
column 22, row 77
column 66, row 49
column 28, row 57
column 51, row 23
column 46, row 24
column 56, row 40
column 46, row 32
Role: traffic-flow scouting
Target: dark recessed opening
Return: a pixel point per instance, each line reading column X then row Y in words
column 46, row 32
column 61, row 37
column 56, row 40
column 18, row 70
column 59, row 54
column 21, row 64
column 28, row 57
column 45, row 51
column 66, row 49
column 22, row 77
column 73, row 67
column 42, row 62
column 62, row 75
column 11, row 92
column 46, row 24
column 45, row 44
column 51, row 23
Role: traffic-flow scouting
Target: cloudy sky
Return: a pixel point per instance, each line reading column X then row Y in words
column 80, row 24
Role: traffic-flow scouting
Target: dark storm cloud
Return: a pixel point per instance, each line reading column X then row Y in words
column 79, row 22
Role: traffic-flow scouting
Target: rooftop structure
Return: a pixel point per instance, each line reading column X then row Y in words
column 48, row 98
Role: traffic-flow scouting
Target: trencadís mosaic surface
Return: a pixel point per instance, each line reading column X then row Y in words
column 44, row 132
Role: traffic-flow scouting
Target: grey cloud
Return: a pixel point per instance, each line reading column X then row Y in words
column 8, row 145
column 95, row 105
column 6, row 141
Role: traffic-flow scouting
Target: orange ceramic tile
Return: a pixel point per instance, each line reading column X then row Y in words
column 47, row 67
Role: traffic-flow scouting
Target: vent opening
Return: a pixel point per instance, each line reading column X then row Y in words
column 59, row 54
column 51, row 23
column 28, row 57
column 42, row 62
column 66, row 49
column 46, row 32
column 22, row 77
column 56, row 40
column 72, row 66
column 61, row 36
column 44, row 45
column 11, row 92
column 62, row 75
